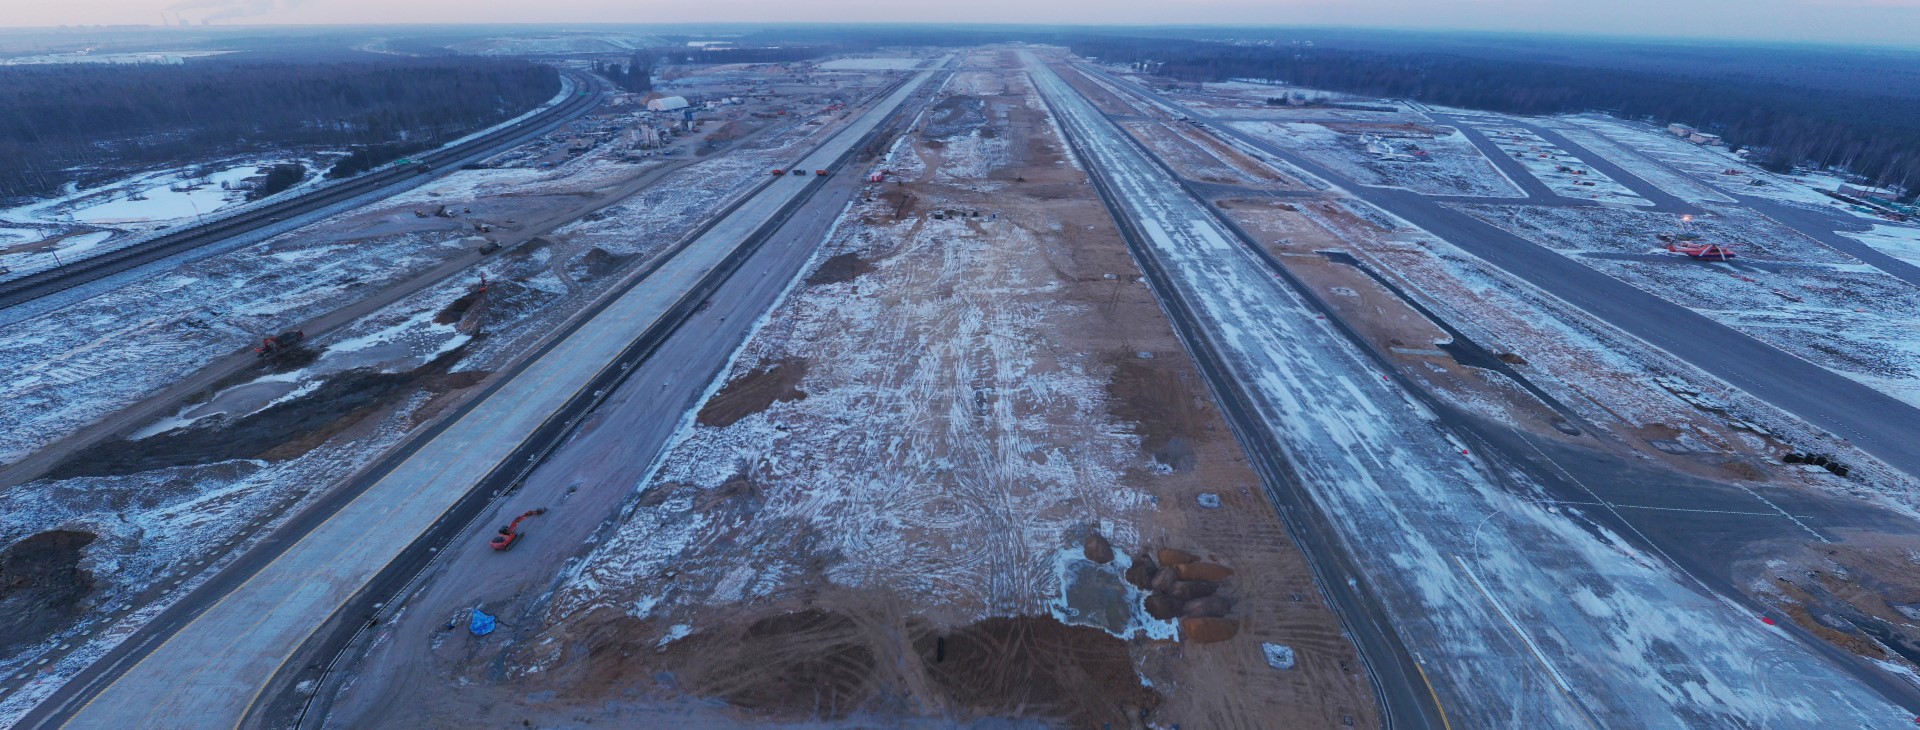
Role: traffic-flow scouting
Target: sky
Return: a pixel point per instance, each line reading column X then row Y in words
column 1848, row 22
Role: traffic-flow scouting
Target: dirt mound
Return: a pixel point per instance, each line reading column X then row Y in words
column 457, row 309
column 1171, row 557
column 809, row 662
column 1028, row 667
column 41, row 586
column 279, row 432
column 595, row 263
column 826, row 665
column 1163, row 408
column 1097, row 549
column 844, row 267
column 1203, row 571
column 726, row 132
column 1208, row 630
column 753, row 392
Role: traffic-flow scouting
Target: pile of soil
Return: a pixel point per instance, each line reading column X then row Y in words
column 753, row 392
column 41, row 586
column 457, row 310
column 1186, row 589
column 595, row 263
column 816, row 664
column 1037, row 667
column 726, row 132
column 1163, row 408
column 844, row 267
column 279, row 432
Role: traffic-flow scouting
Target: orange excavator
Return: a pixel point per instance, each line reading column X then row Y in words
column 511, row 533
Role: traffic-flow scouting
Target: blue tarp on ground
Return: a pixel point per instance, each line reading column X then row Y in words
column 481, row 624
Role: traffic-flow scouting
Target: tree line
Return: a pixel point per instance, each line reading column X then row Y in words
column 636, row 76
column 86, row 122
column 1874, row 136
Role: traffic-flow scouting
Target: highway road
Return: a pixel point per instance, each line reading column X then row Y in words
column 585, row 94
column 211, row 670
column 1482, row 577
column 1874, row 421
column 583, row 484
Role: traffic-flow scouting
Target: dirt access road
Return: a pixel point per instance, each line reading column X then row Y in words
column 938, row 485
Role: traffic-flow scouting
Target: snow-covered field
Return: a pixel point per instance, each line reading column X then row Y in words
column 33, row 235
column 1710, row 165
column 872, row 64
column 1633, row 161
column 1563, row 172
column 897, row 449
column 1899, row 241
column 1786, row 289
column 1453, row 166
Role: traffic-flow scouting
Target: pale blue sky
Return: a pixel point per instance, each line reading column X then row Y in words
column 1894, row 22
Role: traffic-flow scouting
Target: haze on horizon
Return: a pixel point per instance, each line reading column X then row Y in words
column 1843, row 22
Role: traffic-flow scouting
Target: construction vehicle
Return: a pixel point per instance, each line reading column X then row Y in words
column 511, row 533
column 276, row 345
column 1688, row 242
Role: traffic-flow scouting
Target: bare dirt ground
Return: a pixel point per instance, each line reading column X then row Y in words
column 964, row 474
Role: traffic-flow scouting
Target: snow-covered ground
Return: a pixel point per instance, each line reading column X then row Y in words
column 1711, row 165
column 872, row 64
column 1899, row 241
column 1452, row 166
column 1786, row 289
column 891, row 454
column 1562, row 171
column 33, row 235
column 1633, row 161
column 162, row 57
column 1482, row 580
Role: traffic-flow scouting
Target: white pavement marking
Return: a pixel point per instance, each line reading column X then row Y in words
column 209, row 672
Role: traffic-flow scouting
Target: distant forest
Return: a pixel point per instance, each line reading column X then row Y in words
column 635, row 76
column 1875, row 136
column 80, row 122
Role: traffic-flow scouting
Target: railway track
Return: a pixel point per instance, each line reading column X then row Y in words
column 61, row 278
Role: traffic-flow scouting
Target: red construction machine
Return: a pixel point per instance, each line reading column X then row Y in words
column 511, row 533
column 1688, row 242
column 276, row 345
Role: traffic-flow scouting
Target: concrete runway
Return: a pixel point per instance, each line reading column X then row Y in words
column 1876, row 422
column 211, row 671
column 1503, row 579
